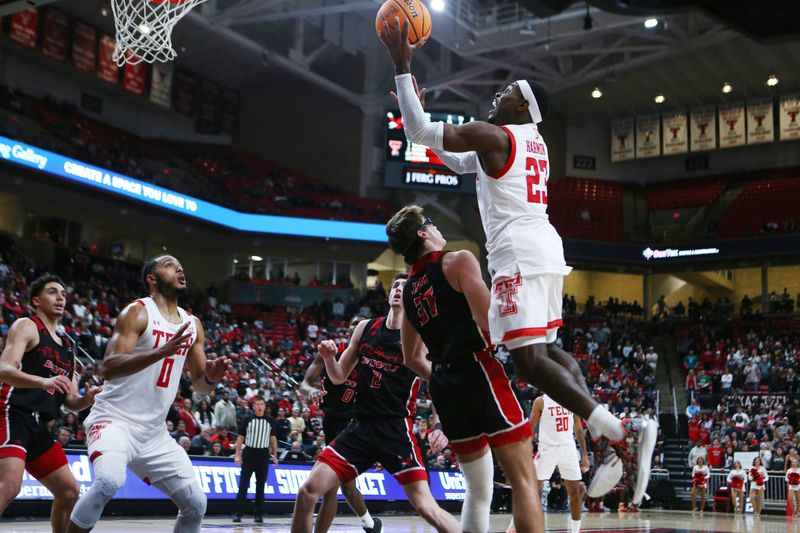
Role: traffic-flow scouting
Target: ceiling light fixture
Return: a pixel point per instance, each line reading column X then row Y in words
column 596, row 93
column 256, row 258
column 772, row 81
column 650, row 23
column 437, row 5
column 727, row 87
column 659, row 99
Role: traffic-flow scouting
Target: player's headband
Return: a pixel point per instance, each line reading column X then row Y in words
column 533, row 106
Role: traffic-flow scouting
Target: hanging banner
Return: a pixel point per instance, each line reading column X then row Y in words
column 760, row 126
column 673, row 131
column 25, row 27
column 84, row 47
column 731, row 125
column 56, row 27
column 230, row 111
column 133, row 78
column 648, row 137
column 622, row 140
column 107, row 69
column 183, row 93
column 161, row 84
column 208, row 108
column 703, row 129
column 789, row 109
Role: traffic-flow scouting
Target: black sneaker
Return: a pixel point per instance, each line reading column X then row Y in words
column 258, row 520
column 377, row 526
column 237, row 518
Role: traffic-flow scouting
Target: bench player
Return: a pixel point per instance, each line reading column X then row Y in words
column 446, row 306
column 337, row 403
column 37, row 377
column 382, row 427
column 152, row 339
column 526, row 255
column 558, row 430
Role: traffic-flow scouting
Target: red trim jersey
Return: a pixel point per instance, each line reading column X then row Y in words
column 700, row 475
column 793, row 477
column 758, row 476
column 513, row 205
column 386, row 388
column 736, row 479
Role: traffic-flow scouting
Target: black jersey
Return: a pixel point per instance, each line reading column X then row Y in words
column 339, row 399
column 386, row 388
column 46, row 359
column 439, row 313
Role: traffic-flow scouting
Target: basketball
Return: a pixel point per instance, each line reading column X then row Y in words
column 414, row 11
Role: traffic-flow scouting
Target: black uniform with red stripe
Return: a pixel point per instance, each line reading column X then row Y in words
column 470, row 390
column 337, row 403
column 24, row 413
column 382, row 427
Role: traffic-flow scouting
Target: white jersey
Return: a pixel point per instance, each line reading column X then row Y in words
column 145, row 397
column 556, row 425
column 513, row 206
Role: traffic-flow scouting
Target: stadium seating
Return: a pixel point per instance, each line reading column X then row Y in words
column 586, row 209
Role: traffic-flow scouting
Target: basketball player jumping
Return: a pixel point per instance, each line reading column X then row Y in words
column 37, row 377
column 446, row 307
column 152, row 340
column 381, row 430
column 526, row 256
column 337, row 404
column 557, row 449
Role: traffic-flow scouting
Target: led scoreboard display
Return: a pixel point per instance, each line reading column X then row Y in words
column 411, row 165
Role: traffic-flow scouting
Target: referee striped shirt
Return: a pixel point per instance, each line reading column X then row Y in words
column 256, row 431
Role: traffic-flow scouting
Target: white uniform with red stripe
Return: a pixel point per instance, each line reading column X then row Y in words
column 793, row 478
column 557, row 443
column 129, row 415
column 526, row 255
column 700, row 476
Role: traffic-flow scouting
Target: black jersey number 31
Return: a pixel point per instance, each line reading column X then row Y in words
column 426, row 306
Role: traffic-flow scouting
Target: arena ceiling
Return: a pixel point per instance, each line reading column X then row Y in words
column 478, row 46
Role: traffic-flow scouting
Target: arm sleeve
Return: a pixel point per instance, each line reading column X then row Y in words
column 460, row 163
column 417, row 125
column 243, row 426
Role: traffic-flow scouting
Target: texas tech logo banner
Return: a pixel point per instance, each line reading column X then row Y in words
column 760, row 127
column 789, row 111
column 673, row 131
column 703, row 129
column 648, row 136
column 622, row 141
column 731, row 125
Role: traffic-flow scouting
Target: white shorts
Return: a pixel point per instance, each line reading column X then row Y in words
column 564, row 457
column 150, row 453
column 794, row 487
column 525, row 309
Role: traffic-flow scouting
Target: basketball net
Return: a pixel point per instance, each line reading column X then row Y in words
column 144, row 29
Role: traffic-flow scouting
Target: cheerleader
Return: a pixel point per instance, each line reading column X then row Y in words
column 736, row 480
column 758, row 480
column 700, row 473
column 793, row 481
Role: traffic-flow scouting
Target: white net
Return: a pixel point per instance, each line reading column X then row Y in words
column 144, row 29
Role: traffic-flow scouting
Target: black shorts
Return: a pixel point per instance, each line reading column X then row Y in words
column 332, row 425
column 476, row 404
column 24, row 436
column 366, row 441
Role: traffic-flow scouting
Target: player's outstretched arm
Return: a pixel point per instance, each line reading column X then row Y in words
column 309, row 386
column 205, row 372
column 22, row 336
column 536, row 413
column 464, row 274
column 120, row 361
column 414, row 350
column 339, row 370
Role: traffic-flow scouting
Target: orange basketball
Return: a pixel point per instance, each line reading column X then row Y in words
column 418, row 16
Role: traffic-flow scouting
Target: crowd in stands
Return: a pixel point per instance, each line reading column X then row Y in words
column 218, row 174
column 724, row 308
column 612, row 307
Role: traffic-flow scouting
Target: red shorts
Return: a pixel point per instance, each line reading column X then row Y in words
column 23, row 436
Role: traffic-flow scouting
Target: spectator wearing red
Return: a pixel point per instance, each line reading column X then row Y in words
column 186, row 413
column 224, row 438
column 716, row 455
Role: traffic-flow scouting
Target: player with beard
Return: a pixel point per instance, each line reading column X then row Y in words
column 152, row 339
column 337, row 402
column 525, row 253
column 37, row 377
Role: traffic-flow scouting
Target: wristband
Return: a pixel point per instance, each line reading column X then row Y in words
column 437, row 425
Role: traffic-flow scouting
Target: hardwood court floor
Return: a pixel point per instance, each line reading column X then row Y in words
column 644, row 522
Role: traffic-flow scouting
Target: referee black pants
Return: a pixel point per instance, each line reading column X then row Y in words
column 254, row 461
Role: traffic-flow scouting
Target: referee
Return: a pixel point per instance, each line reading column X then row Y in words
column 257, row 435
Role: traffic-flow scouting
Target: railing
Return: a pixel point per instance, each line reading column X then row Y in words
column 774, row 495
column 675, row 409
column 659, row 473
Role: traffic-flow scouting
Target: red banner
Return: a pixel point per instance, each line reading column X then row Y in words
column 230, row 111
column 133, row 78
column 84, row 47
column 56, row 26
column 25, row 27
column 183, row 93
column 107, row 69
